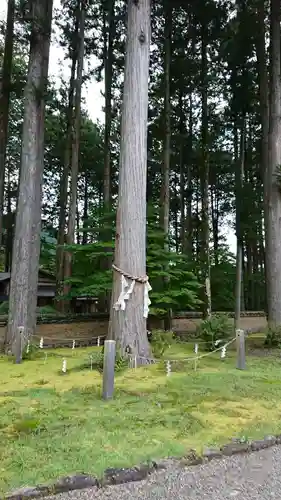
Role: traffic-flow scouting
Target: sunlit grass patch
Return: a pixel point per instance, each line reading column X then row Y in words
column 53, row 424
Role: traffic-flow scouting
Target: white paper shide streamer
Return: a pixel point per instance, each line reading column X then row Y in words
column 73, row 344
column 168, row 368
column 223, row 352
column 64, row 366
column 196, row 348
column 41, row 344
column 146, row 299
column 126, row 292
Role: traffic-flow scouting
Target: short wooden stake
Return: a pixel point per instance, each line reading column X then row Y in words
column 108, row 369
column 64, row 366
column 19, row 344
column 241, row 352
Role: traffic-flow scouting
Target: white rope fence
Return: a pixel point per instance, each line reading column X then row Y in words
column 169, row 362
column 222, row 346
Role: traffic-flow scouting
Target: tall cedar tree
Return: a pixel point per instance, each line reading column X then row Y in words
column 129, row 327
column 26, row 248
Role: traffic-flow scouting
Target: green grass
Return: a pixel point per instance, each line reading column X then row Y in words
column 53, row 424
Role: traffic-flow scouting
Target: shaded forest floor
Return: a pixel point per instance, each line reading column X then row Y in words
column 53, row 424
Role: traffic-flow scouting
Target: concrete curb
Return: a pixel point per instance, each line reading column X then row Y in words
column 126, row 475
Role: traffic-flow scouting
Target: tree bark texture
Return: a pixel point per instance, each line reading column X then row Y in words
column 273, row 178
column 26, row 248
column 5, row 87
column 129, row 327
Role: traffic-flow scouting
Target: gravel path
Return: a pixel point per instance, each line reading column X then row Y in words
column 255, row 476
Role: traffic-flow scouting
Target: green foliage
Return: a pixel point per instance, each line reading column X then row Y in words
column 161, row 341
column 96, row 361
column 223, row 276
column 174, row 286
column 4, row 307
column 215, row 329
column 42, row 311
column 47, row 311
column 48, row 251
column 273, row 337
column 34, row 352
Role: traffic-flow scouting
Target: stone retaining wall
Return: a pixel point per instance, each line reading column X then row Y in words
column 64, row 330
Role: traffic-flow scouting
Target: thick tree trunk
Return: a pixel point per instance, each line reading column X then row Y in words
column 128, row 327
column 272, row 180
column 26, row 248
column 75, row 149
column 204, row 180
column 5, row 87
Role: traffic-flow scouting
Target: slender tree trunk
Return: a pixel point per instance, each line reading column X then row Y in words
column 85, row 212
column 5, row 87
column 189, row 222
column 204, row 180
column 26, row 248
column 239, row 233
column 64, row 176
column 264, row 105
column 128, row 327
column 77, row 225
column 215, row 222
column 75, row 149
column 108, row 73
column 272, row 180
column 9, row 227
column 165, row 194
column 182, row 173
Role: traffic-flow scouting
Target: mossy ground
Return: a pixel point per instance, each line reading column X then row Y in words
column 53, row 424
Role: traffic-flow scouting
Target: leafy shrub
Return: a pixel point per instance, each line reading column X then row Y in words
column 273, row 337
column 215, row 329
column 27, row 426
column 161, row 341
column 96, row 361
column 34, row 352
